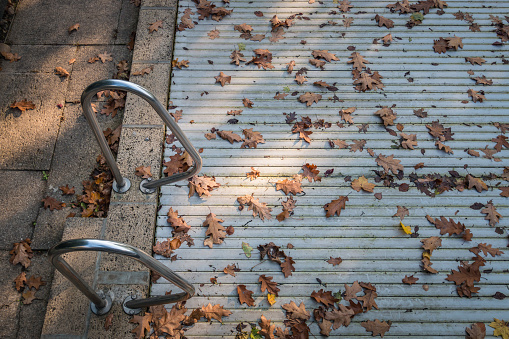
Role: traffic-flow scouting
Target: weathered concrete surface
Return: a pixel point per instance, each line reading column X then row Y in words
column 73, row 161
column 21, row 196
column 30, row 136
column 47, row 22
column 131, row 224
column 139, row 147
column 9, row 296
column 68, row 309
column 158, row 45
column 157, row 82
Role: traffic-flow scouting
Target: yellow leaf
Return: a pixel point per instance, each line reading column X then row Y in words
column 271, row 298
column 407, row 229
column 501, row 329
column 426, row 254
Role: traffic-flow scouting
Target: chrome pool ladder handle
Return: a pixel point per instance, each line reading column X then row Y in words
column 121, row 184
column 101, row 304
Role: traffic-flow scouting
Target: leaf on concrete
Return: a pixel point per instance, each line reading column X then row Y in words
column 252, row 138
column 143, row 171
column 20, row 281
column 475, row 60
column 341, row 316
column 23, row 105
column 296, row 312
column 381, row 21
column 177, row 222
column 476, row 183
column 231, row 270
column 62, row 72
column 358, row 62
column 310, row 172
column 402, row 212
column 28, row 297
column 73, row 28
column 247, row 249
column 35, row 282
column 289, row 186
column 324, row 54
column 155, row 26
column 237, row 57
column 476, row 95
column 253, row 174
column 266, row 329
column 432, row 243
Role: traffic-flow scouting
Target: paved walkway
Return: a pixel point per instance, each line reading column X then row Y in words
column 50, row 146
column 421, row 87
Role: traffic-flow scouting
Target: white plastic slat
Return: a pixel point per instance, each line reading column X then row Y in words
column 366, row 235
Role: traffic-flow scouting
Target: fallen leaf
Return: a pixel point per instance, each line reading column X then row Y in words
column 501, row 328
column 20, row 281
column 253, row 174
column 476, row 96
column 432, row 243
column 155, row 26
column 215, row 230
column 202, row 185
column 143, row 171
column 486, row 249
column 66, row 190
column 271, row 298
column 324, row 54
column 296, row 312
column 247, row 103
column 387, row 115
column 61, row 72
column 230, row 136
column 476, row 60
column 491, row 214
column 247, row 249
column 143, row 71
column 223, row 79
column 28, row 297
column 268, row 285
column 335, row 261
column 402, row 212
column 108, row 321
column 289, row 186
column 23, row 105
column 35, row 282
column 341, row 316
column 389, row 163
column 377, row 327
column 335, row 206
column 72, row 28
column 478, row 331
column 214, row 312
column 180, row 64
column 245, row 295
column 406, row 229
column 310, row 98
column 362, row 183
column 381, row 21
column 325, row 298
column 52, row 204
column 231, row 270
column 258, row 208
column 266, row 329
column 410, row 280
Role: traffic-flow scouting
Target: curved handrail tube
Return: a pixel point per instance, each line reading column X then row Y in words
column 115, row 84
column 77, row 245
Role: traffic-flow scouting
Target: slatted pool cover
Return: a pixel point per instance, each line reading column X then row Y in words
column 366, row 236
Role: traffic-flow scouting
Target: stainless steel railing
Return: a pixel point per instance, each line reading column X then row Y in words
column 121, row 184
column 102, row 304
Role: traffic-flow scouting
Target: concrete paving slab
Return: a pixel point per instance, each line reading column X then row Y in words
column 159, row 3
column 68, row 309
column 139, row 147
column 38, row 22
column 157, row 82
column 40, row 59
column 130, row 224
column 85, row 73
column 158, row 45
column 9, row 296
column 29, row 137
column 21, row 196
column 127, row 22
column 120, row 326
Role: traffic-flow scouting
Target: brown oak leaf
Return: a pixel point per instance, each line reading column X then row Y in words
column 245, row 295
column 215, row 230
column 389, row 163
column 309, row 98
column 258, row 208
column 230, row 136
column 52, row 204
column 202, row 185
column 341, row 316
column 28, row 297
column 223, row 79
column 310, row 172
column 324, row 54
column 387, row 115
column 268, row 285
column 20, row 281
column 252, row 138
column 155, row 26
column 491, row 214
column 377, row 327
column 289, row 186
column 335, row 206
column 432, row 243
column 214, row 312
column 381, row 21
column 402, row 212
column 143, row 171
column 477, row 331
column 409, row 280
column 23, row 105
column 325, row 298
column 362, row 183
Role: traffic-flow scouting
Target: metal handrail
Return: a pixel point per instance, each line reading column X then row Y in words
column 102, row 304
column 122, row 184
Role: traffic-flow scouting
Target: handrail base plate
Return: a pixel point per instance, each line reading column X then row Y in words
column 128, row 310
column 122, row 189
column 145, row 190
column 105, row 309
